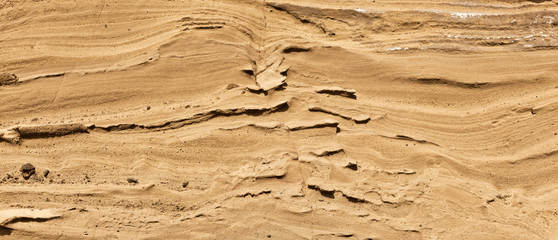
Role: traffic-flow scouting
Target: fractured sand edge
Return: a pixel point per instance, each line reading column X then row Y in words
column 302, row 125
column 357, row 119
column 15, row 134
column 348, row 93
column 13, row 215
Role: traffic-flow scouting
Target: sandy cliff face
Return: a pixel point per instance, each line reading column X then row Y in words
column 279, row 119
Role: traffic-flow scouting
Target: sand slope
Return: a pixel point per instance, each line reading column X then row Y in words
column 279, row 119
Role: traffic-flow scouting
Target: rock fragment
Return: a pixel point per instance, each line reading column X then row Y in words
column 352, row 165
column 27, row 170
column 232, row 86
column 10, row 135
column 132, row 180
column 8, row 79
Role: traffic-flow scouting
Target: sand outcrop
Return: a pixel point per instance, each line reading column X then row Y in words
column 278, row 119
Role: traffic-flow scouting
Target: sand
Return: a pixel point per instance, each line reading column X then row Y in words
column 284, row 119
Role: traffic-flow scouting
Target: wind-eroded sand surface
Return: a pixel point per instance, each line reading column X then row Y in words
column 279, row 119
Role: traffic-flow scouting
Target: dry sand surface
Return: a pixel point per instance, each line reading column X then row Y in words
column 262, row 119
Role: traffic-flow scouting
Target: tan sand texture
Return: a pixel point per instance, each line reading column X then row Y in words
column 261, row 119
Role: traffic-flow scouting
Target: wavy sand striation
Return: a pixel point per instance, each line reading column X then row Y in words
column 279, row 119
